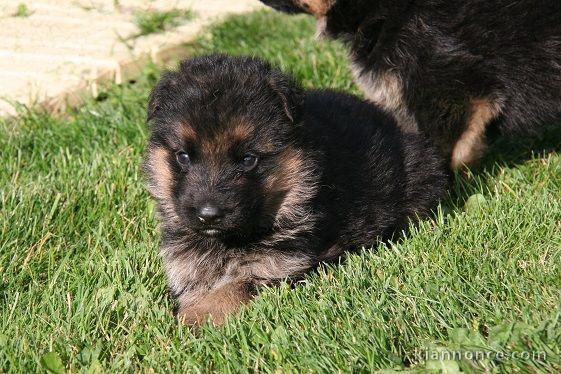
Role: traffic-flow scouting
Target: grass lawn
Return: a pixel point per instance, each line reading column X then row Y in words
column 82, row 287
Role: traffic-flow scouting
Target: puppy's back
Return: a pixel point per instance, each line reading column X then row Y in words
column 375, row 178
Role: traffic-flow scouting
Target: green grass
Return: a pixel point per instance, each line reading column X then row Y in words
column 82, row 287
column 21, row 11
column 154, row 21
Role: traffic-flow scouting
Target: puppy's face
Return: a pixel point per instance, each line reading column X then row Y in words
column 221, row 159
column 318, row 8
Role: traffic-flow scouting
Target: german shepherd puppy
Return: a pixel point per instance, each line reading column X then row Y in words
column 257, row 181
column 450, row 68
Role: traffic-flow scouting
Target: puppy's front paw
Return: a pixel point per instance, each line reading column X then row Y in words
column 196, row 316
column 215, row 305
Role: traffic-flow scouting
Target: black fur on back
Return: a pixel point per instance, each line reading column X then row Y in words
column 373, row 177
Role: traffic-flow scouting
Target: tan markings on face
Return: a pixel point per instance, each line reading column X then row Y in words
column 241, row 130
column 285, row 177
column 186, row 132
column 318, row 8
column 238, row 131
column 471, row 144
column 290, row 188
column 161, row 176
column 385, row 88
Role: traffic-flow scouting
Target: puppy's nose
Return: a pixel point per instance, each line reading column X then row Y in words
column 209, row 214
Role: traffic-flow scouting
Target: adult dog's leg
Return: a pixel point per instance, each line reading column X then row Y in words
column 471, row 144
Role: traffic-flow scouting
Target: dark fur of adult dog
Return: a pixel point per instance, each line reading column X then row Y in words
column 257, row 181
column 450, row 68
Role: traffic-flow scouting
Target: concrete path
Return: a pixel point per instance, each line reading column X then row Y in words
column 59, row 50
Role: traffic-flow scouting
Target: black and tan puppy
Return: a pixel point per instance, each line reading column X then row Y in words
column 450, row 68
column 257, row 181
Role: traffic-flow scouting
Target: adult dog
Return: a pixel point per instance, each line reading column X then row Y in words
column 450, row 68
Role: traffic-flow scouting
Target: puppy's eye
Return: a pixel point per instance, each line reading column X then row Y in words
column 249, row 161
column 182, row 158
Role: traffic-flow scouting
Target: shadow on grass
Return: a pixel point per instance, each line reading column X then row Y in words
column 503, row 152
column 509, row 152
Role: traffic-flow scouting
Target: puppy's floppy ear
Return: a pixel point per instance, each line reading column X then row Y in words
column 162, row 94
column 154, row 105
column 290, row 93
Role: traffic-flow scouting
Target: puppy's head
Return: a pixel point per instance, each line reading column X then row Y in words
column 318, row 8
column 221, row 157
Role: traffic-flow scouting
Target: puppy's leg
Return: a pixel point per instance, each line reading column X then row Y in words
column 471, row 144
column 215, row 304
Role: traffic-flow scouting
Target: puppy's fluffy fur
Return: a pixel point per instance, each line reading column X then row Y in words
column 290, row 178
column 450, row 68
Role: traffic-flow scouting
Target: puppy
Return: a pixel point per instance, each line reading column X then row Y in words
column 257, row 181
column 451, row 68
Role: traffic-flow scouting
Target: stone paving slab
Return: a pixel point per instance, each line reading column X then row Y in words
column 64, row 49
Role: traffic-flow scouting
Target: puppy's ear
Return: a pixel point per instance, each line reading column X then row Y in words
column 162, row 94
column 291, row 95
column 154, row 105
